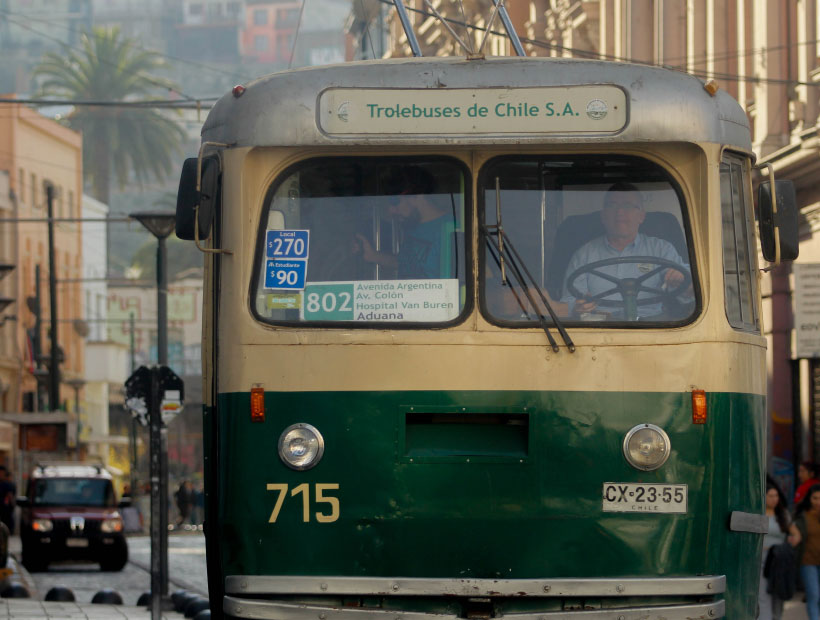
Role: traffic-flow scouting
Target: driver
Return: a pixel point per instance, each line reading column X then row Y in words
column 622, row 216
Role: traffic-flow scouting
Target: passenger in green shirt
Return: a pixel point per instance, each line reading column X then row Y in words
column 424, row 231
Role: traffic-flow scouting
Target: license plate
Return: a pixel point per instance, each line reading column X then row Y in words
column 633, row 497
column 76, row 542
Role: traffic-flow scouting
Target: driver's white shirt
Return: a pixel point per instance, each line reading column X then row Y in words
column 600, row 249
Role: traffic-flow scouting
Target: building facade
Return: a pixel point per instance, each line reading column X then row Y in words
column 106, row 361
column 36, row 152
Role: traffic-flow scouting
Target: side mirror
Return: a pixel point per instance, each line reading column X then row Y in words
column 188, row 199
column 22, row 501
column 778, row 228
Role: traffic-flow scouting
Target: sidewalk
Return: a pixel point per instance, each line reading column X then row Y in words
column 33, row 608
column 795, row 609
column 29, row 609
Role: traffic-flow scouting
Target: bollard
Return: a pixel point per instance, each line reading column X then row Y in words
column 181, row 602
column 144, row 600
column 107, row 596
column 15, row 590
column 60, row 594
column 195, row 606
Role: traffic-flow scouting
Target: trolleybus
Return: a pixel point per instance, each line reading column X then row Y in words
column 437, row 383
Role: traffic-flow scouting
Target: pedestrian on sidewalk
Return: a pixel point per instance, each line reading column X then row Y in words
column 777, row 571
column 807, row 520
column 807, row 477
column 185, row 501
column 8, row 498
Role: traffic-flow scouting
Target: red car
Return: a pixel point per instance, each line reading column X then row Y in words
column 71, row 513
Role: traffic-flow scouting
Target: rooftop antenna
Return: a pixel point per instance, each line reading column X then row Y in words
column 508, row 26
column 408, row 27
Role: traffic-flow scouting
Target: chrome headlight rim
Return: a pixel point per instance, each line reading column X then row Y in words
column 320, row 446
column 657, row 429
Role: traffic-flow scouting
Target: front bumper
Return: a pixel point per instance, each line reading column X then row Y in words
column 688, row 597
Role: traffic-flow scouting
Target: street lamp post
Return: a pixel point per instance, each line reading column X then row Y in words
column 160, row 224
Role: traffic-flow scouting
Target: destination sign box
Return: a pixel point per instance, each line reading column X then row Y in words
column 560, row 110
column 382, row 300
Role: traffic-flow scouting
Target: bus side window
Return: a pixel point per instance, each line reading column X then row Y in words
column 739, row 252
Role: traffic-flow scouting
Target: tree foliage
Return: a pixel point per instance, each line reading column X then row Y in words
column 117, row 142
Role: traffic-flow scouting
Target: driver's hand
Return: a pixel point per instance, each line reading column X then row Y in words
column 673, row 279
column 582, row 305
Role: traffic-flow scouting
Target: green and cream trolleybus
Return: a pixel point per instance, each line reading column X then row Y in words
column 482, row 339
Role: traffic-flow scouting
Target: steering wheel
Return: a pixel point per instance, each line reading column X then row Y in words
column 629, row 288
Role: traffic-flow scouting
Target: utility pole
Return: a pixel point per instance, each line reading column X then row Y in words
column 162, row 359
column 37, row 339
column 133, row 419
column 54, row 370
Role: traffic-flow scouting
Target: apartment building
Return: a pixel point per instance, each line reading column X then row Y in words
column 36, row 152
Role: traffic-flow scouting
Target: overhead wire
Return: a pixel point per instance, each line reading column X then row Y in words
column 600, row 55
column 195, row 103
column 367, row 26
column 296, row 36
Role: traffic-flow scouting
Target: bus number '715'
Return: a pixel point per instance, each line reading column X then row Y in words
column 304, row 491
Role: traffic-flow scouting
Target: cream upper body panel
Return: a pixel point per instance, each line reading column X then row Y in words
column 474, row 354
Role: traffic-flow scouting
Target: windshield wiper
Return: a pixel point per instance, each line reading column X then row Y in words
column 519, row 280
column 515, row 260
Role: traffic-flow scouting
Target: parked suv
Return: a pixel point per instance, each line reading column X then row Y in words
column 71, row 512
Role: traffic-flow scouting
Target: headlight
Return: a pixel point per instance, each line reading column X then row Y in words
column 111, row 526
column 42, row 525
column 301, row 446
column 646, row 447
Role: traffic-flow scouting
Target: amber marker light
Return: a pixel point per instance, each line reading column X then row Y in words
column 698, row 407
column 257, row 404
column 711, row 87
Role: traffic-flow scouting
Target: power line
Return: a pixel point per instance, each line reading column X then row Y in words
column 600, row 55
column 149, row 104
column 296, row 36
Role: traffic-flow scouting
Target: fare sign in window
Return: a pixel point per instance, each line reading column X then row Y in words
column 286, row 257
column 422, row 301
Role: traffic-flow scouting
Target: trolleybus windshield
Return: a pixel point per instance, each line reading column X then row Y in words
column 364, row 240
column 602, row 237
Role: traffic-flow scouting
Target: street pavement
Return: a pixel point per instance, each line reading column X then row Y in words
column 795, row 609
column 186, row 556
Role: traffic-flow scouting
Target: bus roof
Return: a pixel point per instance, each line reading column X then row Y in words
column 293, row 108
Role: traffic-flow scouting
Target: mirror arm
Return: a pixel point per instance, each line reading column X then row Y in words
column 198, row 190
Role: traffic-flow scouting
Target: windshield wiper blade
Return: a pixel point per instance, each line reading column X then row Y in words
column 515, row 260
column 518, row 300
column 521, row 282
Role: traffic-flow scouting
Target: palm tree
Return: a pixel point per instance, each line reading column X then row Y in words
column 117, row 140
